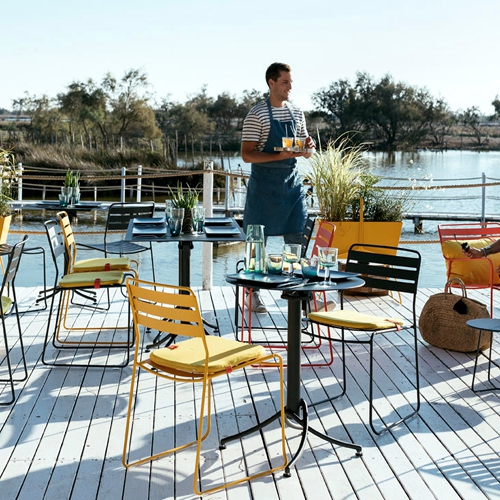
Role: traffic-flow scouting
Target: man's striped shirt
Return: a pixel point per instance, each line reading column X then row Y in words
column 257, row 124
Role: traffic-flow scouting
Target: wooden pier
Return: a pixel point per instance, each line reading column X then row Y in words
column 62, row 439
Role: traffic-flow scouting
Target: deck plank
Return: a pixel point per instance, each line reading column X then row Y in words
column 63, row 437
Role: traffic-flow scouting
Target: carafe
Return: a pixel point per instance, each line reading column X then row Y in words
column 255, row 253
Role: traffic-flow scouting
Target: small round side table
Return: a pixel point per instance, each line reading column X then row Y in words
column 484, row 325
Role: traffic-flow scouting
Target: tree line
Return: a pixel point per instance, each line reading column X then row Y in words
column 121, row 113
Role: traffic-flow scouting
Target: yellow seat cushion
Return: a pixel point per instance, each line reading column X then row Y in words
column 90, row 265
column 189, row 355
column 6, row 304
column 355, row 320
column 470, row 271
column 106, row 278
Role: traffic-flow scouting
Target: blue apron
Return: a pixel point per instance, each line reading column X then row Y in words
column 275, row 194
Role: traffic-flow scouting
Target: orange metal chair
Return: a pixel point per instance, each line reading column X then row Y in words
column 324, row 237
column 475, row 273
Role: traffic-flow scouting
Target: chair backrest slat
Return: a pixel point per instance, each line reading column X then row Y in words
column 307, row 234
column 167, row 308
column 386, row 268
column 324, row 236
column 469, row 231
column 13, row 264
column 56, row 243
column 69, row 241
column 119, row 214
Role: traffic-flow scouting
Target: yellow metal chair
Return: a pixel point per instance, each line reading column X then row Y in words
column 90, row 265
column 64, row 287
column 200, row 359
column 119, row 216
column 387, row 268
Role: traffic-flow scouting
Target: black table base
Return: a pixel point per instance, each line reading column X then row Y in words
column 486, row 326
column 296, row 407
column 304, row 424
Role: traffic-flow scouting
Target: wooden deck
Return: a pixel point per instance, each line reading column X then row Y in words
column 62, row 439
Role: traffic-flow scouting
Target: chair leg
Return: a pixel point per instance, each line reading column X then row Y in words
column 281, row 414
column 10, row 369
column 9, row 380
column 152, row 262
column 61, row 345
column 44, row 294
column 416, row 409
column 343, row 384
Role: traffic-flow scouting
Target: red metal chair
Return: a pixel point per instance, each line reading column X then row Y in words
column 324, row 237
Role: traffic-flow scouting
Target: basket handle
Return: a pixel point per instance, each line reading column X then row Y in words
column 447, row 287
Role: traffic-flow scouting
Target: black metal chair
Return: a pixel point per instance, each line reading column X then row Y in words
column 73, row 336
column 394, row 269
column 8, row 304
column 119, row 216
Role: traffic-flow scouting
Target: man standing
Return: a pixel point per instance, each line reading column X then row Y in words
column 275, row 194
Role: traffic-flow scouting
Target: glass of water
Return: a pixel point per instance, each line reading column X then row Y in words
column 291, row 254
column 198, row 217
column 327, row 260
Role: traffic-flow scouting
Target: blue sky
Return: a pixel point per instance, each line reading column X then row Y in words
column 449, row 47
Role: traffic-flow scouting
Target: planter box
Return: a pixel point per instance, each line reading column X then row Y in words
column 4, row 228
column 374, row 233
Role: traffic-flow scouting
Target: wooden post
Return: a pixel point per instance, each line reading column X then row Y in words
column 123, row 185
column 19, row 182
column 207, row 248
column 139, row 183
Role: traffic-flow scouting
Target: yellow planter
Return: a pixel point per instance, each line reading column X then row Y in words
column 4, row 228
column 374, row 233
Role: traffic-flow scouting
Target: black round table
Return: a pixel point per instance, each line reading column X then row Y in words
column 294, row 290
column 490, row 325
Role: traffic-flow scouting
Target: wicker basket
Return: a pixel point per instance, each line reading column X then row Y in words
column 443, row 317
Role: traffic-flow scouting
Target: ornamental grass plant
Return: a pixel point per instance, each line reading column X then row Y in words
column 340, row 177
column 8, row 176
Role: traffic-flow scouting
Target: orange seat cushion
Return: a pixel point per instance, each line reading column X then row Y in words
column 470, row 271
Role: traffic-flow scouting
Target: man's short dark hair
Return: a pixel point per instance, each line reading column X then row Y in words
column 274, row 71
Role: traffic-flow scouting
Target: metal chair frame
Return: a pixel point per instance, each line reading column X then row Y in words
column 394, row 269
column 468, row 232
column 8, row 287
column 119, row 216
column 175, row 311
column 59, row 253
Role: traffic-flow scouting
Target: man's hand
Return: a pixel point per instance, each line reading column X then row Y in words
column 474, row 253
column 310, row 144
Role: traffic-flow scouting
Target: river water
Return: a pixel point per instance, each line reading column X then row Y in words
column 430, row 169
